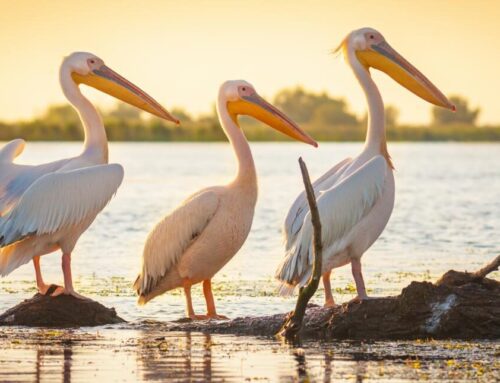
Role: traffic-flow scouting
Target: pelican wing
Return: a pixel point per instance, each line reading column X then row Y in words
column 300, row 207
column 341, row 208
column 16, row 179
column 12, row 150
column 60, row 199
column 172, row 236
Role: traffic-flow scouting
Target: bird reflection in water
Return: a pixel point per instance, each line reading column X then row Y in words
column 188, row 355
column 48, row 358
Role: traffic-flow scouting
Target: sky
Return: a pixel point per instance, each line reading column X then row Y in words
column 181, row 51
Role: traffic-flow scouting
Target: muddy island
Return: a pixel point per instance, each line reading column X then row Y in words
column 62, row 311
column 460, row 305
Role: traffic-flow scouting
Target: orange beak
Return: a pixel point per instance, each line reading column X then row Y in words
column 108, row 81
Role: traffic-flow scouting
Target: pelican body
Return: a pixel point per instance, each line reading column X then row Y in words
column 192, row 243
column 356, row 197
column 47, row 207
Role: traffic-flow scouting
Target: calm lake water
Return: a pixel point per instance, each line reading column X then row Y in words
column 447, row 215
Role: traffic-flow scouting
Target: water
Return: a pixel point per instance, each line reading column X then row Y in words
column 132, row 355
column 447, row 215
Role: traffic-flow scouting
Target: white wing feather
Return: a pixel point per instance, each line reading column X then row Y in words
column 12, row 150
column 16, row 179
column 341, row 208
column 300, row 207
column 60, row 199
column 172, row 236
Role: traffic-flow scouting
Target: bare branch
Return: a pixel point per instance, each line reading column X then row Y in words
column 489, row 268
column 293, row 322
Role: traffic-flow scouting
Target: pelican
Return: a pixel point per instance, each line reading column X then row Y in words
column 47, row 207
column 355, row 198
column 193, row 242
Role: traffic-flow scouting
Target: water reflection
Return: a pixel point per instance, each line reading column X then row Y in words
column 360, row 371
column 155, row 355
column 168, row 358
column 47, row 361
column 328, row 367
column 300, row 359
column 68, row 353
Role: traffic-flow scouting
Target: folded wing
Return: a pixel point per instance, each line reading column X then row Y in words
column 60, row 199
column 16, row 179
column 299, row 209
column 341, row 208
column 173, row 236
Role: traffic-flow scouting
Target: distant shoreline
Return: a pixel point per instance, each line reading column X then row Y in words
column 325, row 118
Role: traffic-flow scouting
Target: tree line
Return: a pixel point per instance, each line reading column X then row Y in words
column 325, row 117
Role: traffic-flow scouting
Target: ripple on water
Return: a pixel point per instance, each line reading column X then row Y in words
column 447, row 215
column 126, row 354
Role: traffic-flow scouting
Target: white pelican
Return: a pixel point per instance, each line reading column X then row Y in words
column 47, row 207
column 355, row 198
column 193, row 242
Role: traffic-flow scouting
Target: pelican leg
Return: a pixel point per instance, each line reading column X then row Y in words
column 358, row 279
column 209, row 298
column 40, row 284
column 68, row 288
column 329, row 301
column 189, row 302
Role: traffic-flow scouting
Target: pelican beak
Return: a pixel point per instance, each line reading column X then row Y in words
column 255, row 106
column 108, row 81
column 383, row 57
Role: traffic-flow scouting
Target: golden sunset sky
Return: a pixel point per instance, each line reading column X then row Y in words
column 181, row 51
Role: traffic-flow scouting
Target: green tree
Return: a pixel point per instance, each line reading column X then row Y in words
column 307, row 107
column 391, row 116
column 182, row 115
column 61, row 121
column 463, row 115
column 61, row 116
column 333, row 113
column 124, row 112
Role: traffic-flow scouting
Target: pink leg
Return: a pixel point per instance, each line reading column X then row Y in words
column 68, row 279
column 209, row 298
column 358, row 279
column 329, row 301
column 40, row 284
column 189, row 302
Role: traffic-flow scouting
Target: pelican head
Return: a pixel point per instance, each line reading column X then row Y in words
column 373, row 51
column 242, row 99
column 87, row 68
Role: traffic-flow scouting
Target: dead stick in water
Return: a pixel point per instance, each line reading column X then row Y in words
column 490, row 267
column 293, row 322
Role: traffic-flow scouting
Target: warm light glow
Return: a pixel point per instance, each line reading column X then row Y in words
column 180, row 52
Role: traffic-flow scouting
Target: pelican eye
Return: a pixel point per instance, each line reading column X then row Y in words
column 243, row 89
column 372, row 37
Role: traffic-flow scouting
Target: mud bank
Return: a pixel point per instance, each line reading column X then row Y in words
column 61, row 311
column 459, row 305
